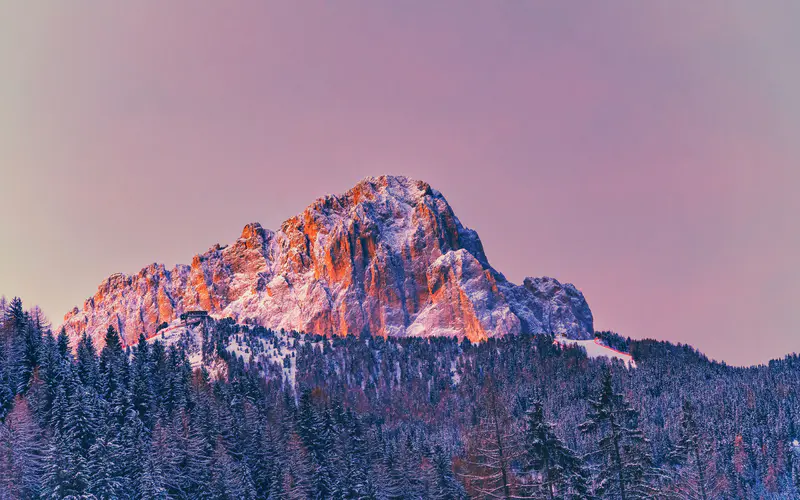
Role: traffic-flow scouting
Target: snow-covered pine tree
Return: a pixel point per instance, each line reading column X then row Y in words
column 142, row 395
column 350, row 462
column 134, row 440
column 152, row 483
column 447, row 486
column 74, row 419
column 104, row 469
column 86, row 361
column 22, row 342
column 556, row 470
column 62, row 343
column 491, row 449
column 625, row 464
column 196, row 457
column 26, row 352
column 6, row 391
column 398, row 482
column 113, row 364
column 21, row 453
column 296, row 472
column 690, row 456
column 166, row 453
column 57, row 481
column 229, row 479
column 315, row 428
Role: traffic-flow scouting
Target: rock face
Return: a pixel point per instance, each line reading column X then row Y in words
column 389, row 257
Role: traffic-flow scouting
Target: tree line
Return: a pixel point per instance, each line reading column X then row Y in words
column 517, row 417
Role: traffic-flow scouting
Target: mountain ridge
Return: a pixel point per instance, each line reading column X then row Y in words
column 389, row 257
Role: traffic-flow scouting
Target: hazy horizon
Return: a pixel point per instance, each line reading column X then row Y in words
column 646, row 153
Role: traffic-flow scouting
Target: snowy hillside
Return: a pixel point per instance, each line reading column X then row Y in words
column 268, row 355
column 595, row 348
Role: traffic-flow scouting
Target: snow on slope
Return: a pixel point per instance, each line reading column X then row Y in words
column 260, row 353
column 595, row 349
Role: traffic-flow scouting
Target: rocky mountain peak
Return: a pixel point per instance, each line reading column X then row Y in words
column 388, row 257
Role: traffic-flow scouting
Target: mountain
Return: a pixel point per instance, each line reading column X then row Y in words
column 389, row 257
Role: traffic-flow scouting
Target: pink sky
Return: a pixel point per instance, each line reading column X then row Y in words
column 645, row 151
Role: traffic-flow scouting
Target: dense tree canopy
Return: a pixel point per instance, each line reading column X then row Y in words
column 516, row 417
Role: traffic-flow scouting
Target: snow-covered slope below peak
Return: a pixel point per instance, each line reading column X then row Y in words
column 272, row 356
column 595, row 349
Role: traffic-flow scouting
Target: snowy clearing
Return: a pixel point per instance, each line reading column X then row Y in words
column 594, row 349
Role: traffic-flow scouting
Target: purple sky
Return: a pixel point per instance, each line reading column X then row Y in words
column 646, row 151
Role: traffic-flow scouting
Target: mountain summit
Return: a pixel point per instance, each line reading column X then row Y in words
column 389, row 257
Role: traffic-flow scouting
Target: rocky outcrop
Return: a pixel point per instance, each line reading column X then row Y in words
column 389, row 257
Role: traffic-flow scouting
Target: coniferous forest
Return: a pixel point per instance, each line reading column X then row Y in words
column 516, row 417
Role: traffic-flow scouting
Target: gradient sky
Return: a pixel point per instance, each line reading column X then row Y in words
column 646, row 151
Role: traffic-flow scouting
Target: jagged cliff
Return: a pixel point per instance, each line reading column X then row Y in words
column 388, row 257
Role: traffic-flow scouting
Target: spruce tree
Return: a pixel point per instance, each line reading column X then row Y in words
column 104, row 469
column 143, row 397
column 21, row 452
column 690, row 456
column 229, row 478
column 6, row 391
column 113, row 365
column 66, row 472
column 28, row 344
column 559, row 470
column 624, row 459
column 296, row 473
column 63, row 343
column 492, row 448
column 447, row 486
column 86, row 361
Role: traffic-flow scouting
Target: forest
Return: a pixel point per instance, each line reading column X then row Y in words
column 367, row 417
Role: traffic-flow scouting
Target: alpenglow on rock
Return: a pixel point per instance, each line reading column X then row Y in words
column 388, row 258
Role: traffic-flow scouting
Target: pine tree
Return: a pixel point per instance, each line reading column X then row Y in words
column 152, row 483
column 143, row 397
column 158, row 362
column 86, row 361
column 196, row 458
column 27, row 348
column 166, row 456
column 113, row 364
column 57, row 481
column 404, row 479
column 350, row 460
column 134, row 440
column 79, row 433
column 690, row 455
column 315, row 428
column 21, row 341
column 625, row 461
column 446, row 486
column 63, row 343
column 66, row 471
column 296, row 473
column 6, row 391
column 21, row 452
column 559, row 469
column 104, row 467
column 395, row 477
column 229, row 479
column 14, row 320
column 492, row 449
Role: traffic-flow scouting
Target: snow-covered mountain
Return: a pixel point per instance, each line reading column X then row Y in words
column 388, row 257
